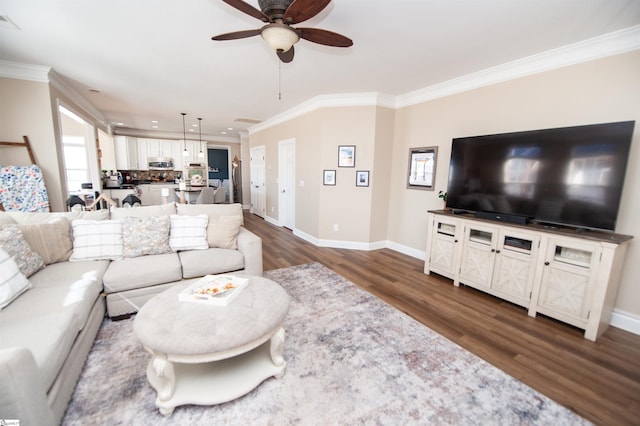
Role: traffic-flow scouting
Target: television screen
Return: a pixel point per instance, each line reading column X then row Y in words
column 566, row 176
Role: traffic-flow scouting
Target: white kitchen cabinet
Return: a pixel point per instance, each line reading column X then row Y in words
column 151, row 194
column 126, row 150
column 143, row 163
column 161, row 148
column 567, row 274
column 118, row 195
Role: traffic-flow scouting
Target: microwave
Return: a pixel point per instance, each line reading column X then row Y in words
column 160, row 163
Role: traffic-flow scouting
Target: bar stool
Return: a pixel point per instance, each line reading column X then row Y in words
column 131, row 201
column 74, row 201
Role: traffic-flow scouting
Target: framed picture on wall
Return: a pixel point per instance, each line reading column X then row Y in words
column 362, row 178
column 329, row 177
column 421, row 172
column 346, row 156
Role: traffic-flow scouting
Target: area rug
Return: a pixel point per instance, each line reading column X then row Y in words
column 351, row 359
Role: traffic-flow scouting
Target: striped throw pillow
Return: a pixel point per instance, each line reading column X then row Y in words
column 12, row 282
column 96, row 240
column 188, row 232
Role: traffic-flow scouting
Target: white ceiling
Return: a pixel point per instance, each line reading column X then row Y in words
column 152, row 59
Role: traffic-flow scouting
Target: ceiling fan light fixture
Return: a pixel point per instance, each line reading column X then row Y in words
column 280, row 37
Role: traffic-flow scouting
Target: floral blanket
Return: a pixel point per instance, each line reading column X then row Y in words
column 22, row 189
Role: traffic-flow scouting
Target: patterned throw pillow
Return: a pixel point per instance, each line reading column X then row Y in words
column 145, row 235
column 188, row 232
column 12, row 241
column 96, row 240
column 223, row 231
column 12, row 282
column 51, row 240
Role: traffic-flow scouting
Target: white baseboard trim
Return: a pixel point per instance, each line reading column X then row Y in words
column 619, row 319
column 409, row 251
column 625, row 321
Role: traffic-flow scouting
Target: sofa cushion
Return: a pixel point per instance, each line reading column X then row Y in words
column 12, row 282
column 42, row 217
column 144, row 211
column 47, row 318
column 143, row 271
column 188, row 232
column 223, row 231
column 64, row 285
column 13, row 241
column 221, row 226
column 198, row 263
column 145, row 235
column 211, row 210
column 51, row 240
column 96, row 240
column 50, row 338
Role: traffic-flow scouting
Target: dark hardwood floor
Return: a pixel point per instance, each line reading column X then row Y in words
column 600, row 381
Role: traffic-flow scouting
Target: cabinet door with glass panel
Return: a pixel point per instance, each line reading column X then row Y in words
column 444, row 250
column 515, row 263
column 568, row 280
column 478, row 255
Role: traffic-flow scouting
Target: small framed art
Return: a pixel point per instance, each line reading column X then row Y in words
column 346, row 156
column 362, row 178
column 329, row 177
column 421, row 171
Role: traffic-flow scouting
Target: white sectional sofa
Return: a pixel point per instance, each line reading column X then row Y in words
column 47, row 331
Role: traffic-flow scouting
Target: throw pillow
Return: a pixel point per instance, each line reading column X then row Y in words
column 50, row 240
column 188, row 232
column 12, row 282
column 12, row 241
column 223, row 232
column 145, row 235
column 96, row 240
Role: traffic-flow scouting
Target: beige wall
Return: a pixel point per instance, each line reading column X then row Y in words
column 318, row 207
column 599, row 91
column 595, row 92
column 25, row 109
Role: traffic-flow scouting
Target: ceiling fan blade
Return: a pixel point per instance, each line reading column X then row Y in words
column 248, row 9
column 287, row 56
column 236, row 35
column 301, row 10
column 328, row 38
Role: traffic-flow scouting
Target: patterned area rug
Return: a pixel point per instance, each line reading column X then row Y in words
column 351, row 359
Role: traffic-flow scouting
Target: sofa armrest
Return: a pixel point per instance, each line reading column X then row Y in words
column 22, row 392
column 250, row 245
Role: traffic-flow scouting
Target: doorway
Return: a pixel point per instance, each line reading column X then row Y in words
column 286, row 183
column 79, row 152
column 258, row 189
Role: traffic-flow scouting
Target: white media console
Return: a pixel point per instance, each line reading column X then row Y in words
column 567, row 274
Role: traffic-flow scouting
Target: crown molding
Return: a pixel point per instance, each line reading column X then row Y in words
column 59, row 84
column 20, row 71
column 154, row 134
column 610, row 44
column 327, row 101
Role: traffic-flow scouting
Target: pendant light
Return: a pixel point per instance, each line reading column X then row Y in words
column 200, row 154
column 185, row 153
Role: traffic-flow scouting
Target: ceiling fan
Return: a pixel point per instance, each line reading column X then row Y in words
column 279, row 15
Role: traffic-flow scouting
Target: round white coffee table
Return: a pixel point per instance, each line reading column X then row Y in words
column 206, row 354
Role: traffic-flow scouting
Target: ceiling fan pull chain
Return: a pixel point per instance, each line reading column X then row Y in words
column 279, row 80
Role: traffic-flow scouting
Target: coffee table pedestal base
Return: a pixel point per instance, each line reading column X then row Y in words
column 189, row 380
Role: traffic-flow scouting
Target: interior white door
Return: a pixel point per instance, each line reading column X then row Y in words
column 258, row 188
column 286, row 183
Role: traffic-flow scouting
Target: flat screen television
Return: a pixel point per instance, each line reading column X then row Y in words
column 571, row 176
